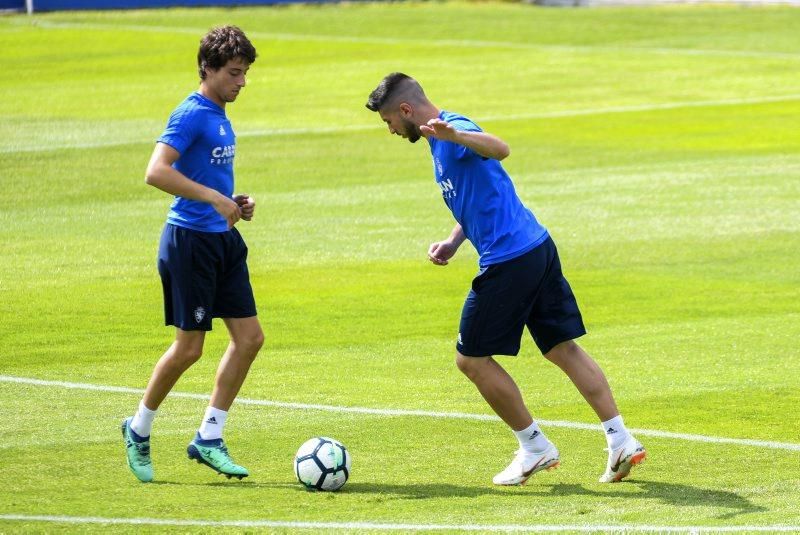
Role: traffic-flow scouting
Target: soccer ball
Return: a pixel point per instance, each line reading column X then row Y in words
column 322, row 463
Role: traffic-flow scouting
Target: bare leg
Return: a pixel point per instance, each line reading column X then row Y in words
column 497, row 388
column 184, row 351
column 246, row 340
column 587, row 376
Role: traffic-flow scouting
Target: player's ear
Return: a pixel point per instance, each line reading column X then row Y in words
column 406, row 110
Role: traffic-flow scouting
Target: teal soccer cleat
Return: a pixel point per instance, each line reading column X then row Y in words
column 138, row 451
column 214, row 454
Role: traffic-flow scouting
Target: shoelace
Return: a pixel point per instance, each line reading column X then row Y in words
column 224, row 449
column 144, row 451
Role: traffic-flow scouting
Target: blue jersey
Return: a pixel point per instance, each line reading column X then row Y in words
column 199, row 130
column 482, row 198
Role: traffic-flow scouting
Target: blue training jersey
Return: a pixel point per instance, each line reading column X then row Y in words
column 199, row 130
column 482, row 198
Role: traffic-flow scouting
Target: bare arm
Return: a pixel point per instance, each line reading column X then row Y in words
column 162, row 175
column 485, row 144
column 440, row 252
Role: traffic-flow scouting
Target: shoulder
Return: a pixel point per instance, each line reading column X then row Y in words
column 195, row 104
column 189, row 112
column 460, row 122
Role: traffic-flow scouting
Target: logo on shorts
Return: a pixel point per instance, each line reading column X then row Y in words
column 459, row 338
column 199, row 314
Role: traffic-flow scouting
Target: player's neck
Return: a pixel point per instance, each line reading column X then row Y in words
column 211, row 95
column 428, row 112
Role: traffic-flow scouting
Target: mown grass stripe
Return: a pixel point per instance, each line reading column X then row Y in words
column 269, row 132
column 470, row 43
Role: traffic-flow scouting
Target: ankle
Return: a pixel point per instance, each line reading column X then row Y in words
column 532, row 439
column 616, row 432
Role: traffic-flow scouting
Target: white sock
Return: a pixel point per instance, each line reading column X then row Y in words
column 532, row 439
column 213, row 422
column 142, row 422
column 616, row 433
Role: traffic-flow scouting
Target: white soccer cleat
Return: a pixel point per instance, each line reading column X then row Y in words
column 622, row 459
column 525, row 464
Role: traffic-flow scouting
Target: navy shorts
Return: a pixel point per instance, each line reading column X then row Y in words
column 204, row 275
column 529, row 290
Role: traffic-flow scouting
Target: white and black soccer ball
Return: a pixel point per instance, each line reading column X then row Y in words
column 322, row 463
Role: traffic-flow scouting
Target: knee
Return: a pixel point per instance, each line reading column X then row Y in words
column 562, row 351
column 470, row 366
column 257, row 342
column 185, row 356
column 251, row 344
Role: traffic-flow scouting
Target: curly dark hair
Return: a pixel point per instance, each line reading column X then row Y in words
column 221, row 45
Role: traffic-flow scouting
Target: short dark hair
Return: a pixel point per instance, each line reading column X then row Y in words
column 395, row 86
column 221, row 45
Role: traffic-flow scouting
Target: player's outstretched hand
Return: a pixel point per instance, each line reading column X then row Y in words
column 440, row 252
column 247, row 205
column 438, row 129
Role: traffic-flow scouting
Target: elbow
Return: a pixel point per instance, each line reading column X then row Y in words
column 151, row 177
column 503, row 152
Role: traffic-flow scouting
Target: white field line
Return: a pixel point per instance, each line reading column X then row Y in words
column 405, row 412
column 467, row 43
column 45, row 147
column 382, row 526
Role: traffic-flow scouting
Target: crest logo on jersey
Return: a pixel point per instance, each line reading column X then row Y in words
column 222, row 131
column 199, row 314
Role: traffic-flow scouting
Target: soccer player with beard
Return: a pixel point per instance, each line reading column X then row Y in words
column 519, row 284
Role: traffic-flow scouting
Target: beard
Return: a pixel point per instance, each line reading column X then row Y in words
column 412, row 131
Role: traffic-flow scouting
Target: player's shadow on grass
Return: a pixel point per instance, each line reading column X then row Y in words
column 426, row 491
column 404, row 492
column 671, row 494
column 668, row 493
column 385, row 491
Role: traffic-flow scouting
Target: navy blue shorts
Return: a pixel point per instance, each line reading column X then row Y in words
column 528, row 290
column 204, row 275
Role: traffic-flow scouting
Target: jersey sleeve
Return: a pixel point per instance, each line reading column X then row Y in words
column 181, row 131
column 460, row 151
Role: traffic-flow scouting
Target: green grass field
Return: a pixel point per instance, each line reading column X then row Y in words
column 660, row 146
